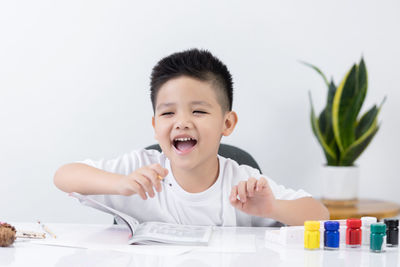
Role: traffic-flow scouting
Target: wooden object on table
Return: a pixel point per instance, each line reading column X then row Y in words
column 362, row 207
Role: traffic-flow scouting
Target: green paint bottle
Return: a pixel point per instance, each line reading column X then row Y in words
column 378, row 232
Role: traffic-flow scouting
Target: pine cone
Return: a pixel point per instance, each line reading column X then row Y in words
column 7, row 234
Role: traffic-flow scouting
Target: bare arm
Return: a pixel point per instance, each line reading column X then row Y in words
column 84, row 179
column 255, row 197
column 295, row 212
column 87, row 180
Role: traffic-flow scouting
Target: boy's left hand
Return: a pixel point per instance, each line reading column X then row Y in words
column 256, row 197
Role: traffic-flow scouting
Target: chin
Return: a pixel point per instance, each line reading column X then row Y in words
column 183, row 163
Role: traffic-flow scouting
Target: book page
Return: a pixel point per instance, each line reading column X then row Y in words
column 153, row 232
column 132, row 223
column 150, row 232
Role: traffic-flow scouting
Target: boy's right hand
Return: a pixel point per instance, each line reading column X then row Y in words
column 142, row 181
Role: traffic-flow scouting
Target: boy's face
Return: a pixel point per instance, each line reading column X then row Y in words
column 189, row 122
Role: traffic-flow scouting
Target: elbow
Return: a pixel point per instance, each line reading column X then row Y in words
column 319, row 211
column 324, row 213
column 59, row 178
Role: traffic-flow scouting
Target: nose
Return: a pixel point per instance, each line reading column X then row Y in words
column 183, row 122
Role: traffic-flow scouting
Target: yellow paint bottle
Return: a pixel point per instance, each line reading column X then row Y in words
column 311, row 235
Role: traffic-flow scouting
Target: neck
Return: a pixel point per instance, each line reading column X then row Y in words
column 198, row 179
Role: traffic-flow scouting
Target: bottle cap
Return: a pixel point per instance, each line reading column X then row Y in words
column 367, row 221
column 331, row 225
column 311, row 225
column 378, row 228
column 391, row 223
column 353, row 223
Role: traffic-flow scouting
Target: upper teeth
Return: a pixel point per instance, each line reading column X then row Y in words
column 184, row 139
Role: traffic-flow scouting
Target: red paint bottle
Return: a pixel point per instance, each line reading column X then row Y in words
column 353, row 233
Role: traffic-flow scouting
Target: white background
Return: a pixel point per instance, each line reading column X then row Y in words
column 74, row 84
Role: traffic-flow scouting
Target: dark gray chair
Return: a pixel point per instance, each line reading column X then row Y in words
column 228, row 151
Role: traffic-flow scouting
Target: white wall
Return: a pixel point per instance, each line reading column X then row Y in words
column 74, row 84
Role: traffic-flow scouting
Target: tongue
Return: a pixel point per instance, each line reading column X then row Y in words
column 185, row 145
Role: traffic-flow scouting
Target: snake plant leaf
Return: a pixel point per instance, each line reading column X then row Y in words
column 366, row 121
column 344, row 110
column 322, row 123
column 367, row 127
column 342, row 136
column 329, row 153
column 329, row 135
column 362, row 80
column 325, row 118
column 355, row 150
column 317, row 70
column 331, row 94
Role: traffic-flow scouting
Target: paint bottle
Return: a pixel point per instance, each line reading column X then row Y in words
column 353, row 233
column 366, row 229
column 311, row 235
column 331, row 235
column 392, row 232
column 378, row 232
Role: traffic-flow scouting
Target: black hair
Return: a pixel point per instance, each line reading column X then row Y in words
column 197, row 64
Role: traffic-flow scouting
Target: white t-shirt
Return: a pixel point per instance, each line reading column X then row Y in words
column 174, row 205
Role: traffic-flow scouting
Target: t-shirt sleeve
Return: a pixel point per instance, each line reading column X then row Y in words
column 126, row 163
column 280, row 191
column 237, row 173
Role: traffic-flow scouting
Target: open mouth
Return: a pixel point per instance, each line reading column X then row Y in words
column 184, row 144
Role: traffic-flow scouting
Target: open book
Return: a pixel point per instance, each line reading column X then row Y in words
column 153, row 232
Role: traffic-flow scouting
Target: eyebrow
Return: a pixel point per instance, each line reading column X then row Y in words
column 162, row 105
column 193, row 103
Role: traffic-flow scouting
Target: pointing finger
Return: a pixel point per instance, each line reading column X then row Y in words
column 162, row 172
column 261, row 183
column 233, row 195
column 153, row 176
column 251, row 186
column 242, row 191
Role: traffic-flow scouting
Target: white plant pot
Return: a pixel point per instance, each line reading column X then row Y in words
column 340, row 183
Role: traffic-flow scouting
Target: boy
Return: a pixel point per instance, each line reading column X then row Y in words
column 188, row 183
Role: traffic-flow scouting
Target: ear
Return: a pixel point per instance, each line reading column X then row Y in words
column 153, row 122
column 230, row 121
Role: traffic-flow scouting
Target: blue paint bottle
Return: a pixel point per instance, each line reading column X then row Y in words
column 331, row 235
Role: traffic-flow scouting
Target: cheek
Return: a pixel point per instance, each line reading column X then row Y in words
column 161, row 131
column 213, row 130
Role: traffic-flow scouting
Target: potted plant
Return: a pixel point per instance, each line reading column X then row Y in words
column 344, row 134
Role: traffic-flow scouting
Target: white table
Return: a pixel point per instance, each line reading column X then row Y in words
column 106, row 245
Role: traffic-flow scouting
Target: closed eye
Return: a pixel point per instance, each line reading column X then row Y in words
column 166, row 113
column 199, row 112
